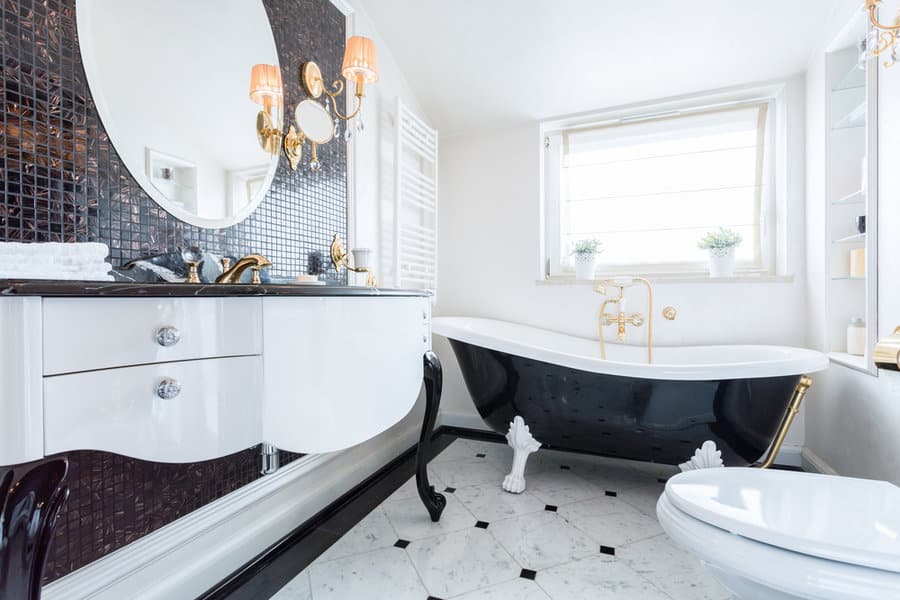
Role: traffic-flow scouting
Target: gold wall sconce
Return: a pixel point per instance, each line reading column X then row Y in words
column 267, row 91
column 887, row 352
column 314, row 122
column 885, row 35
column 340, row 259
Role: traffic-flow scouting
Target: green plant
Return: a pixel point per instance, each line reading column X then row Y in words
column 720, row 240
column 588, row 246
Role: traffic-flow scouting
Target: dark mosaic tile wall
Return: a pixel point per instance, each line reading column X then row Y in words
column 62, row 180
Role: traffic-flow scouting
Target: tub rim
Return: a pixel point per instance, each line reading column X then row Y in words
column 792, row 362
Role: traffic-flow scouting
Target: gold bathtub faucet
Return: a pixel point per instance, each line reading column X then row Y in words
column 621, row 319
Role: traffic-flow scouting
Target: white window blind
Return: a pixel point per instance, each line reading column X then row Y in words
column 650, row 189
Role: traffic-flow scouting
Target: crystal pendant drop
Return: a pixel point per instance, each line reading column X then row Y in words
column 359, row 124
column 337, row 127
column 348, row 133
column 314, row 166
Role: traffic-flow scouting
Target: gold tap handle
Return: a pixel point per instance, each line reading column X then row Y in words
column 193, row 275
column 256, row 280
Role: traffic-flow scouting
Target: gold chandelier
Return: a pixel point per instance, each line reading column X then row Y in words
column 885, row 37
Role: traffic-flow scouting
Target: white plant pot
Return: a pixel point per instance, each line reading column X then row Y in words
column 585, row 265
column 721, row 263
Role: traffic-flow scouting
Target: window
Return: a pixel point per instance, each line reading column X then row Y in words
column 650, row 187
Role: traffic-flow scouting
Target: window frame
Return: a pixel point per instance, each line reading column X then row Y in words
column 556, row 266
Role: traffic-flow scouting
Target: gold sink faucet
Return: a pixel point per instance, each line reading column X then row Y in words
column 621, row 319
column 232, row 273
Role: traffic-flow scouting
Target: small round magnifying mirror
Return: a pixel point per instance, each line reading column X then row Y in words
column 314, row 121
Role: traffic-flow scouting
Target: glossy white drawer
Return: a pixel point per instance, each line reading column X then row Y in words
column 84, row 334
column 121, row 410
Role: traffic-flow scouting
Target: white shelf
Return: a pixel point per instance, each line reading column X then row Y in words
column 851, row 239
column 854, row 79
column 847, row 278
column 849, row 360
column 857, row 197
column 855, row 118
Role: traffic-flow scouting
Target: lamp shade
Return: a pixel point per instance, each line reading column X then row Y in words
column 360, row 60
column 265, row 84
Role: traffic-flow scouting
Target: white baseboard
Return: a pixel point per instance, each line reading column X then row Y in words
column 789, row 456
column 187, row 557
column 814, row 463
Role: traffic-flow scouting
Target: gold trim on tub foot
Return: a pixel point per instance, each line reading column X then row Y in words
column 786, row 421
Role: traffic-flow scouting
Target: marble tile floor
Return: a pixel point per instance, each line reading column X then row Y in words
column 585, row 528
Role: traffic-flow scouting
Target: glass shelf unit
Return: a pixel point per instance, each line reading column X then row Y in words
column 850, row 192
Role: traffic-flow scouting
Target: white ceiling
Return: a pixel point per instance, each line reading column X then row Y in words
column 489, row 63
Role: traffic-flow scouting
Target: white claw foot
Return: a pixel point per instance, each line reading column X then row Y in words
column 706, row 457
column 519, row 439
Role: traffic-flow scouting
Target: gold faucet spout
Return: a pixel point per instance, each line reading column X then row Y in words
column 252, row 261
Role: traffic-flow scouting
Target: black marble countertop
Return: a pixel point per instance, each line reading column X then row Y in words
column 111, row 289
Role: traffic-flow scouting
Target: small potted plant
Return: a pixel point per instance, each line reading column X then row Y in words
column 586, row 252
column 720, row 245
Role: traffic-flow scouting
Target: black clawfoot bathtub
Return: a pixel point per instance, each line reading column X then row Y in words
column 735, row 396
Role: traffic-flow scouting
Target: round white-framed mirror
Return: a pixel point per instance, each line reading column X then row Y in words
column 171, row 81
column 314, row 121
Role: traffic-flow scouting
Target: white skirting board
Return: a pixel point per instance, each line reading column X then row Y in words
column 190, row 555
column 812, row 462
column 788, row 455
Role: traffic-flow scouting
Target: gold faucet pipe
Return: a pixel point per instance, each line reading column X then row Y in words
column 646, row 282
column 603, row 316
column 786, row 421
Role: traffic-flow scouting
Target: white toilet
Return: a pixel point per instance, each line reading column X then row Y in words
column 783, row 534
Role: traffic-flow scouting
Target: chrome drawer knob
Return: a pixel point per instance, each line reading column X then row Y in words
column 168, row 389
column 168, row 336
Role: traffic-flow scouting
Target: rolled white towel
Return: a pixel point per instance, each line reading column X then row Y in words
column 54, row 260
column 79, row 251
column 95, row 275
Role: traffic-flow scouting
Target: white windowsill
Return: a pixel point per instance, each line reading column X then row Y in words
column 673, row 278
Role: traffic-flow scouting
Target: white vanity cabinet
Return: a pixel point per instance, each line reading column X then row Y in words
column 185, row 379
column 339, row 371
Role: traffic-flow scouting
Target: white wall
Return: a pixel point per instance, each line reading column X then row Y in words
column 490, row 258
column 853, row 419
column 372, row 154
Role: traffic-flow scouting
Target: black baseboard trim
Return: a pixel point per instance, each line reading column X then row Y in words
column 273, row 568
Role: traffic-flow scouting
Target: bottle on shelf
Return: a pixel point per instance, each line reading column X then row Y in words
column 856, row 337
